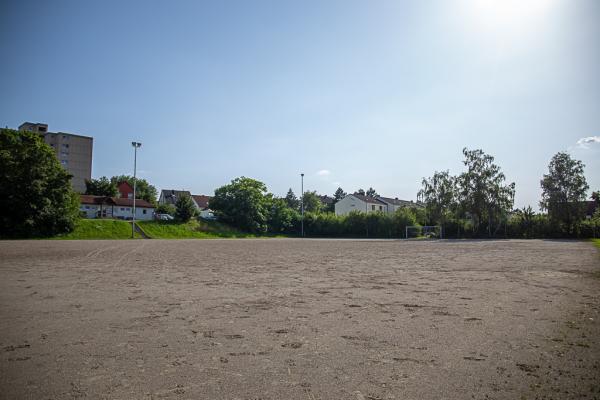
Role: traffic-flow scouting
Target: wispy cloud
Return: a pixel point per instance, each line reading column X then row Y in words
column 324, row 172
column 587, row 141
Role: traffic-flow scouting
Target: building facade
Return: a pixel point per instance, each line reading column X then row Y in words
column 357, row 202
column 74, row 152
column 368, row 204
column 115, row 207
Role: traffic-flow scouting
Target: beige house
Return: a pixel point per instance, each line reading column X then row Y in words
column 74, row 152
column 357, row 202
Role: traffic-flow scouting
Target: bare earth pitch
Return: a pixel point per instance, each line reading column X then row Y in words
column 293, row 319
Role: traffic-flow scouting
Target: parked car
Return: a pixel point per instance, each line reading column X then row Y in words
column 163, row 217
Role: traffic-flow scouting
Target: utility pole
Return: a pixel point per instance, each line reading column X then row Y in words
column 135, row 147
column 302, row 202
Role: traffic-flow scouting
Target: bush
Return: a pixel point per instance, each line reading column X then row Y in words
column 184, row 208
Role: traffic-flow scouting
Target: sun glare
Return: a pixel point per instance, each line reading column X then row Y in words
column 508, row 16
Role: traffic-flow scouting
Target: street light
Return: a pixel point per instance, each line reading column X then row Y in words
column 135, row 147
column 302, row 203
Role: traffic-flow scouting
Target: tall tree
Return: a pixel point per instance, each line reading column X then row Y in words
column 563, row 191
column 372, row 192
column 184, row 208
column 36, row 198
column 143, row 189
column 312, row 202
column 438, row 193
column 339, row 194
column 101, row 187
column 243, row 203
column 483, row 192
column 291, row 200
column 360, row 192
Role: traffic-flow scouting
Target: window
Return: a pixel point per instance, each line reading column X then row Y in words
column 64, row 163
column 144, row 211
column 87, row 207
column 65, row 137
column 65, row 146
column 64, row 154
column 373, row 207
column 122, row 209
column 380, row 208
column 130, row 195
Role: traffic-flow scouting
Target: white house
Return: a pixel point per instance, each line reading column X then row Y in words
column 357, row 202
column 115, row 207
column 169, row 196
column 394, row 204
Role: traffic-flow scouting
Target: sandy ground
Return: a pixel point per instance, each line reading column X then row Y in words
column 293, row 319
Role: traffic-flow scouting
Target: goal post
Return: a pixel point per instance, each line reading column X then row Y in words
column 424, row 232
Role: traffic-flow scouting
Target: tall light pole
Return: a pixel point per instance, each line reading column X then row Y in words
column 302, row 202
column 135, row 147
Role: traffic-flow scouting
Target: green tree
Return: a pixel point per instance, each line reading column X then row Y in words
column 372, row 192
column 339, row 194
column 101, row 187
column 483, row 192
column 438, row 194
column 281, row 216
column 291, row 200
column 243, row 203
column 143, row 189
column 563, row 191
column 312, row 202
column 360, row 192
column 184, row 208
column 403, row 217
column 526, row 219
column 166, row 209
column 36, row 198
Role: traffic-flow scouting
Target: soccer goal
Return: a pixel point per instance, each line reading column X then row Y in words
column 424, row 232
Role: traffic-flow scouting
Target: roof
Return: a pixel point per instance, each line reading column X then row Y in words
column 368, row 199
column 397, row 202
column 129, row 202
column 202, row 200
column 170, row 196
column 89, row 199
column 117, row 201
column 326, row 199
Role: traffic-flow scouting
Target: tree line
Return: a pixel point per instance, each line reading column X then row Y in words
column 36, row 200
column 478, row 202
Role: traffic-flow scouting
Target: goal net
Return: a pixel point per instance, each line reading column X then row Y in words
column 424, row 232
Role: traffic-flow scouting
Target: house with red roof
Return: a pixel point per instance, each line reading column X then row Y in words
column 114, row 207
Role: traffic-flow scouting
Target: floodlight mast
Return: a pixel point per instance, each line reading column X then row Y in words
column 135, row 145
column 302, row 203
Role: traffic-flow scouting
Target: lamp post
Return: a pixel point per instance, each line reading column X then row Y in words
column 135, row 147
column 302, row 202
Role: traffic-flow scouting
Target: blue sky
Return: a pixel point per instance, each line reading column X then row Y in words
column 352, row 93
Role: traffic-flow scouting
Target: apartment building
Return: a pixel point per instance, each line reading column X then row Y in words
column 73, row 151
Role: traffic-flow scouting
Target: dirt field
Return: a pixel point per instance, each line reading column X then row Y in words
column 293, row 319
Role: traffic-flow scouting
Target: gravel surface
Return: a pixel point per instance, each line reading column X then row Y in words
column 299, row 319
